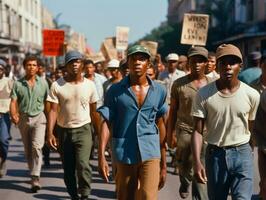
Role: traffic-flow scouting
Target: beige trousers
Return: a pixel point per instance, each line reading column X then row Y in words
column 138, row 181
column 32, row 131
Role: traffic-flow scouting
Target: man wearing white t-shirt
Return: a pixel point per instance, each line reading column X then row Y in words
column 73, row 101
column 228, row 108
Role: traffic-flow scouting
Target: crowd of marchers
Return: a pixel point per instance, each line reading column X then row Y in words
column 207, row 109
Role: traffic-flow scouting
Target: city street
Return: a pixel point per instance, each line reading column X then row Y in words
column 15, row 185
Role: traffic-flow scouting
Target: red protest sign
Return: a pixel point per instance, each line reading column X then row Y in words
column 53, row 42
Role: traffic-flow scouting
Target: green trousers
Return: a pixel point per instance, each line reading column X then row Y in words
column 75, row 148
column 185, row 166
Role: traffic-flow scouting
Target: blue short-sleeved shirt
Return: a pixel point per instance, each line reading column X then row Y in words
column 135, row 136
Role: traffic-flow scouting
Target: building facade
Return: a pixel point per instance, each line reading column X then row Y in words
column 245, row 19
column 20, row 28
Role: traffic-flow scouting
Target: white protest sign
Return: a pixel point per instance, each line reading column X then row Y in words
column 96, row 57
column 122, row 37
column 195, row 29
column 151, row 46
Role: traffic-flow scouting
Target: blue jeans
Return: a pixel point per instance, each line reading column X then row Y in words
column 229, row 168
column 4, row 134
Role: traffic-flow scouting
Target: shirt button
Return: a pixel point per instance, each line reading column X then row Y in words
column 137, row 124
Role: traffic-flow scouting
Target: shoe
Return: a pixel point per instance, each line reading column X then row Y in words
column 2, row 168
column 183, row 191
column 35, row 184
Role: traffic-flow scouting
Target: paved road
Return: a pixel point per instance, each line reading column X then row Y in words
column 15, row 185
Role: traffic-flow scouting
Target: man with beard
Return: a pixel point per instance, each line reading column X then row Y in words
column 134, row 108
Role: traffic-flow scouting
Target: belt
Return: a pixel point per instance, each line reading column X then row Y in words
column 226, row 147
column 27, row 115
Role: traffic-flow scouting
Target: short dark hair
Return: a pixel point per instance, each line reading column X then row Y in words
column 88, row 61
column 40, row 62
column 61, row 66
column 211, row 54
column 30, row 58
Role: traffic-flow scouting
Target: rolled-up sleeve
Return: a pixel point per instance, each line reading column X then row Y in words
column 163, row 107
column 198, row 109
column 13, row 94
column 52, row 95
column 106, row 111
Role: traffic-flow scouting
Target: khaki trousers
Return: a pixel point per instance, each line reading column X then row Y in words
column 138, row 181
column 185, row 165
column 32, row 130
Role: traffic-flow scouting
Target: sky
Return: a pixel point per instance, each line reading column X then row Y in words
column 98, row 19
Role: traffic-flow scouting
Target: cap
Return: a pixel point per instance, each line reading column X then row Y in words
column 138, row 49
column 113, row 64
column 182, row 58
column 226, row 50
column 254, row 55
column 201, row 51
column 2, row 64
column 72, row 55
column 172, row 56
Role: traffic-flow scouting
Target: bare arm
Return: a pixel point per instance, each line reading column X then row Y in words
column 162, row 132
column 252, row 140
column 14, row 111
column 95, row 118
column 103, row 140
column 52, row 116
column 172, row 121
column 196, row 145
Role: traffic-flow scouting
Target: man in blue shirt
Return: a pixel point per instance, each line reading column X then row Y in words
column 134, row 109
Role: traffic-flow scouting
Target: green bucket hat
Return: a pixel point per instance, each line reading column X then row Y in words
column 138, row 49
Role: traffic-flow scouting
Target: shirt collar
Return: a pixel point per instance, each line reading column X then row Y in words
column 37, row 78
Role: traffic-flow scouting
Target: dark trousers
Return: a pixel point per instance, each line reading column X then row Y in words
column 75, row 148
column 4, row 134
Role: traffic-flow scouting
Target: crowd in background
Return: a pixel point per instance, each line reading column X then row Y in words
column 26, row 102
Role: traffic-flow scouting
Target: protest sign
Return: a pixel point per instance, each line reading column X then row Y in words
column 151, row 46
column 195, row 29
column 96, row 57
column 53, row 42
column 122, row 38
column 108, row 48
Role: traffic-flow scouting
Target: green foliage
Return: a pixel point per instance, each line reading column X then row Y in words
column 168, row 35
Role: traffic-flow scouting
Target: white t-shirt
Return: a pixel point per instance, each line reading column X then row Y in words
column 74, row 102
column 226, row 116
column 6, row 85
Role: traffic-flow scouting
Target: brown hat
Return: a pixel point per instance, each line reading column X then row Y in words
column 201, row 51
column 228, row 49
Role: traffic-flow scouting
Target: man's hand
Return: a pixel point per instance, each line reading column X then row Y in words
column 103, row 168
column 51, row 141
column 163, row 173
column 200, row 173
column 15, row 118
